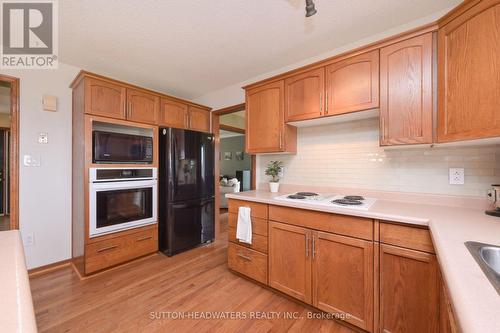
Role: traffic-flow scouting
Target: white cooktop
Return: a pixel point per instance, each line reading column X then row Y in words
column 326, row 199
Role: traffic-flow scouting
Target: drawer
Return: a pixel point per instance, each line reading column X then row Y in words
column 258, row 209
column 406, row 236
column 259, row 242
column 117, row 250
column 334, row 223
column 259, row 226
column 247, row 262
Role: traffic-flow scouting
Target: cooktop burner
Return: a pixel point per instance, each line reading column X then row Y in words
column 347, row 202
column 354, row 197
column 296, row 196
column 306, row 194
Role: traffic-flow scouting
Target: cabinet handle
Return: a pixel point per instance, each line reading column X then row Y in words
column 321, row 103
column 244, row 257
column 307, row 246
column 144, row 238
column 109, row 248
column 125, row 111
column 326, row 103
column 186, row 124
column 129, row 110
column 314, row 247
column 281, row 141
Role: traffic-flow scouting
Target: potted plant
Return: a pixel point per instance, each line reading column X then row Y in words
column 273, row 169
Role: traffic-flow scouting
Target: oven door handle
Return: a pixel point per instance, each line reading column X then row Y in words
column 123, row 185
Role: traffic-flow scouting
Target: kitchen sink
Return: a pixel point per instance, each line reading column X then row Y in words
column 488, row 258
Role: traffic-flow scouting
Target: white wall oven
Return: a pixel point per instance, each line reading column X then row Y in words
column 121, row 198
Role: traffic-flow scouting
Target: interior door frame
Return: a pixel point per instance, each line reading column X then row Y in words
column 216, row 127
column 14, row 149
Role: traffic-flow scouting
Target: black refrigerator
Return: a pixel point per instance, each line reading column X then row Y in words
column 186, row 190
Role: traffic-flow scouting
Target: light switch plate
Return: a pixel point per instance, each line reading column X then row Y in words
column 457, row 176
column 32, row 160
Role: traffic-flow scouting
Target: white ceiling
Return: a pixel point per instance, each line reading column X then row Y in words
column 193, row 47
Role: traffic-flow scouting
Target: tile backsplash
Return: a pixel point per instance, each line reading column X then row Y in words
column 348, row 155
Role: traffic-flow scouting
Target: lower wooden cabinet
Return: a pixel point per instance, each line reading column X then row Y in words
column 290, row 260
column 113, row 251
column 333, row 273
column 409, row 291
column 342, row 279
column 247, row 262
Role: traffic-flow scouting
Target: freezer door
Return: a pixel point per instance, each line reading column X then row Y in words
column 189, row 224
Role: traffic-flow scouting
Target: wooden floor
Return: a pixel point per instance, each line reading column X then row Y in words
column 142, row 295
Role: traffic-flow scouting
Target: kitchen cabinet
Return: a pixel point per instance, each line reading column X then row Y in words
column 181, row 115
column 343, row 277
column 469, row 74
column 290, row 258
column 304, row 95
column 353, row 84
column 406, row 106
column 409, row 290
column 103, row 98
column 142, row 107
column 266, row 131
column 199, row 119
column 173, row 114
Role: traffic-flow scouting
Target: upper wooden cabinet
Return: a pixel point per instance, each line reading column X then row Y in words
column 304, row 95
column 114, row 99
column 352, row 84
column 406, row 92
column 266, row 131
column 142, row 106
column 173, row 114
column 106, row 99
column 181, row 115
column 469, row 74
column 409, row 291
column 199, row 119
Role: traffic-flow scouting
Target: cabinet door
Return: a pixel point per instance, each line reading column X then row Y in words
column 103, row 98
column 409, row 291
column 343, row 277
column 352, row 84
column 265, row 118
column 304, row 95
column 173, row 114
column 142, row 106
column 290, row 260
column 469, row 74
column 406, row 92
column 199, row 119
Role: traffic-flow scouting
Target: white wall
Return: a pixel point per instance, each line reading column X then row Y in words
column 45, row 192
column 348, row 155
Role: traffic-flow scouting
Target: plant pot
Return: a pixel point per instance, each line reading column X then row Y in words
column 274, row 187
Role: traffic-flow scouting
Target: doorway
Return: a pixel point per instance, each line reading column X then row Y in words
column 9, row 120
column 234, row 168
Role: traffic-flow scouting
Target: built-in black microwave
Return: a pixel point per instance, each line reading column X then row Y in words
column 110, row 147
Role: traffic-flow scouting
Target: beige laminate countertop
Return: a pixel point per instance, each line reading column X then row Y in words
column 475, row 301
column 16, row 306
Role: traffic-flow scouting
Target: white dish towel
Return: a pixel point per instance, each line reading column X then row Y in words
column 244, row 225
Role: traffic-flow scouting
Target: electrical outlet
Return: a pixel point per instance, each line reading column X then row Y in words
column 457, row 176
column 32, row 160
column 29, row 239
column 43, row 138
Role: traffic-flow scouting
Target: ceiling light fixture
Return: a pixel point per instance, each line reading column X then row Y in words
column 310, row 9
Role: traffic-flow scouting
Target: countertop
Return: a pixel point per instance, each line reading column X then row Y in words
column 474, row 299
column 16, row 309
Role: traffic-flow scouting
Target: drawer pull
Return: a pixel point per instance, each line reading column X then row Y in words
column 144, row 238
column 109, row 248
column 244, row 257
